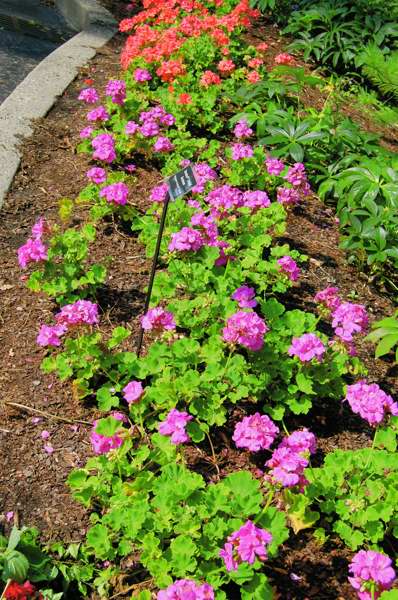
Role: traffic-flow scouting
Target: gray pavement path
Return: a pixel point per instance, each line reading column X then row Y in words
column 19, row 54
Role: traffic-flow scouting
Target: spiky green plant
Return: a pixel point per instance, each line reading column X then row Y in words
column 381, row 69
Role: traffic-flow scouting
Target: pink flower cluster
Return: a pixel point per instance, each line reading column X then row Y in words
column 255, row 433
column 370, row 402
column 328, row 298
column 226, row 66
column 158, row 319
column 116, row 89
column 289, row 267
column 115, row 193
column 141, row 75
column 89, row 95
column 223, row 199
column 247, row 329
column 133, row 391
column 284, row 59
column 348, row 319
column 185, row 589
column 102, row 444
column 245, row 297
column 86, row 132
column 157, row 115
column 79, row 313
column 274, row 166
column 209, row 78
column 163, row 144
column 174, row 425
column 96, row 175
column 240, row 151
column 104, row 147
column 242, row 129
column 132, row 127
column 289, row 460
column 98, row 114
column 207, row 227
column 371, row 574
column 287, row 196
column 255, row 200
column 151, row 123
column 203, row 173
column 297, row 177
column 186, row 240
column 245, row 545
column 159, row 193
column 50, row 335
column 307, row 347
column 34, row 250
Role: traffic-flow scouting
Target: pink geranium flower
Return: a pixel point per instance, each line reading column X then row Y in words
column 133, row 391
column 185, row 589
column 174, row 426
column 246, row 329
column 307, row 347
column 371, row 570
column 158, row 319
column 370, row 402
column 255, row 433
column 245, row 545
column 289, row 267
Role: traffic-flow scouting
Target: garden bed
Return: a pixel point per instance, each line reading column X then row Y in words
column 33, row 485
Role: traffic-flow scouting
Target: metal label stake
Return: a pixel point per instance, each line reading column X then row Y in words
column 179, row 184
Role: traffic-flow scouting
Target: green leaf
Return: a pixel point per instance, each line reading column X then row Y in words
column 257, row 589
column 16, row 566
column 106, row 400
column 108, row 426
column 66, row 206
column 298, row 510
column 386, row 438
column 14, row 539
column 118, row 335
column 144, row 595
column 77, row 478
column 246, row 496
column 304, row 383
column 390, row 595
column 196, row 431
column 98, row 539
column 386, row 344
column 296, row 152
column 183, row 550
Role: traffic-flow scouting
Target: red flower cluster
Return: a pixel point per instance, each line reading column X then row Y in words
column 16, row 591
column 209, row 78
column 169, row 70
column 226, row 66
column 156, row 45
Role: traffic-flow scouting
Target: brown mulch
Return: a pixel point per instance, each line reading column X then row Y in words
column 32, row 482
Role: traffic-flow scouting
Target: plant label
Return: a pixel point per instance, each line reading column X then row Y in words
column 182, row 182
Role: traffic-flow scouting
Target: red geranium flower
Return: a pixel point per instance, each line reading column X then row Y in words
column 16, row 591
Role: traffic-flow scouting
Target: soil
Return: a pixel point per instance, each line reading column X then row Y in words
column 32, row 482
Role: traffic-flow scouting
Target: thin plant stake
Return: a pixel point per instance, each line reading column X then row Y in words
column 179, row 184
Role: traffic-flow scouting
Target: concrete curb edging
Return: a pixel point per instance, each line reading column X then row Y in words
column 82, row 14
column 37, row 93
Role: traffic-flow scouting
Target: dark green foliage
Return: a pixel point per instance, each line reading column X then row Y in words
column 381, row 70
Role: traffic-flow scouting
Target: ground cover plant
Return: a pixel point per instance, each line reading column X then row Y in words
column 219, row 335
column 349, row 39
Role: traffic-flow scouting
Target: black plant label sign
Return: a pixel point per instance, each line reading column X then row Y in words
column 182, row 182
